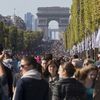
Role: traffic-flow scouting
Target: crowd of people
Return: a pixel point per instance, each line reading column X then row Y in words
column 47, row 78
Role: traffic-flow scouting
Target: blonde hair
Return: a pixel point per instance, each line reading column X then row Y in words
column 82, row 73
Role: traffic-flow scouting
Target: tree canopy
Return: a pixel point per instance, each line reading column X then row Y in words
column 17, row 39
column 85, row 19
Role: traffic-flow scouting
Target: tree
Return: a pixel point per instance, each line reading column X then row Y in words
column 13, row 37
column 32, row 39
column 85, row 20
column 6, row 37
column 2, row 33
column 20, row 40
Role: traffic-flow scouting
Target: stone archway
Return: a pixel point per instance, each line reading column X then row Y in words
column 53, row 30
column 47, row 14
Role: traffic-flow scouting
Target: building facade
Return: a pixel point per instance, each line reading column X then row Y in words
column 47, row 14
column 29, row 21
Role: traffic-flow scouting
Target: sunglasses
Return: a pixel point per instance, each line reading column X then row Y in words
column 22, row 66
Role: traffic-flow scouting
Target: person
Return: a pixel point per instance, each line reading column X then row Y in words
column 87, row 77
column 5, row 82
column 96, row 94
column 53, row 76
column 53, row 69
column 44, row 62
column 68, row 88
column 10, row 62
column 44, row 65
column 1, row 52
column 97, row 63
column 8, row 59
column 45, row 72
column 76, row 61
column 88, row 62
column 31, row 85
column 48, row 57
column 16, row 77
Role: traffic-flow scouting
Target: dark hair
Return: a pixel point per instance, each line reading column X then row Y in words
column 70, row 69
column 61, row 60
column 75, row 56
column 30, row 60
column 48, row 57
column 54, row 63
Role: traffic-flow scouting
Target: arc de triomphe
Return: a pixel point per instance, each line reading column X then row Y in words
column 47, row 14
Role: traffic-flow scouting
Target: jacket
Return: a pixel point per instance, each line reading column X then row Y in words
column 52, row 83
column 68, row 89
column 31, row 87
column 6, row 84
column 4, row 91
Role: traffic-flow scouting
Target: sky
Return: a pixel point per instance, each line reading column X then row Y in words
column 24, row 6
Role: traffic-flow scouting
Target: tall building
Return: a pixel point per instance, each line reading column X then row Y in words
column 36, row 25
column 29, row 21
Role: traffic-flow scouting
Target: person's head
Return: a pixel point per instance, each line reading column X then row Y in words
column 88, row 62
column 66, row 70
column 89, row 72
column 18, row 56
column 53, row 68
column 44, row 64
column 27, row 63
column 7, row 56
column 75, row 56
column 48, row 57
column 61, row 60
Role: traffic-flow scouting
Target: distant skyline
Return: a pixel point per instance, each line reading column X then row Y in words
column 23, row 6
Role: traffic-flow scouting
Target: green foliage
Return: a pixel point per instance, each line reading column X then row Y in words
column 85, row 19
column 1, row 33
column 13, row 36
column 17, row 39
column 32, row 39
